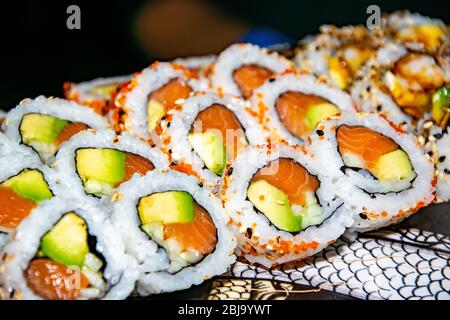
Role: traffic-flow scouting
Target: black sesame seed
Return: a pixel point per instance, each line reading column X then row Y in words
column 379, row 108
column 320, row 133
column 363, row 216
column 438, row 135
column 272, row 80
column 373, row 196
column 446, row 171
column 248, row 233
column 200, row 184
column 170, row 151
column 430, row 153
column 168, row 125
column 230, row 171
column 441, row 158
column 153, row 145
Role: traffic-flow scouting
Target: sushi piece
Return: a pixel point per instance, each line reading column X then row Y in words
column 187, row 221
column 67, row 250
column 151, row 94
column 24, row 184
column 241, row 68
column 97, row 93
column 420, row 33
column 95, row 163
column 206, row 132
column 281, row 207
column 43, row 124
column 380, row 171
column 400, row 84
column 337, row 54
column 290, row 105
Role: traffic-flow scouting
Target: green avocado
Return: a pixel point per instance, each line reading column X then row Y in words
column 67, row 241
column 40, row 128
column 274, row 204
column 394, row 165
column 100, row 169
column 166, row 207
column 318, row 112
column 210, row 148
column 441, row 104
column 155, row 112
column 30, row 184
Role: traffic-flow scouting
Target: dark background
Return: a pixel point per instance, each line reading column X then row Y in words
column 38, row 52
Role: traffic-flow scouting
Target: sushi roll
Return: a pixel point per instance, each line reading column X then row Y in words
column 67, row 250
column 206, row 132
column 241, row 68
column 435, row 136
column 290, row 105
column 96, row 94
column 380, row 171
column 187, row 221
column 95, row 163
column 400, row 84
column 281, row 207
column 24, row 184
column 420, row 33
column 337, row 53
column 43, row 124
column 151, row 93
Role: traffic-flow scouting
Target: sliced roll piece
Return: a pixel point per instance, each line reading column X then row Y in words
column 153, row 92
column 97, row 93
column 290, row 105
column 24, row 184
column 400, row 84
column 241, row 68
column 184, row 219
column 380, row 171
column 206, row 132
column 67, row 250
column 420, row 33
column 282, row 208
column 337, row 54
column 95, row 163
column 43, row 124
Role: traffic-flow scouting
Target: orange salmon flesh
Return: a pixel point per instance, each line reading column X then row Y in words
column 69, row 131
column 290, row 177
column 368, row 144
column 136, row 164
column 14, row 208
column 292, row 107
column 54, row 281
column 170, row 92
column 220, row 118
column 199, row 235
column 249, row 77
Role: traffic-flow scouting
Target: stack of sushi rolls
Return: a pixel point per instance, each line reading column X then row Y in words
column 95, row 163
column 151, row 93
column 43, row 124
column 173, row 211
column 206, row 132
column 281, row 207
column 291, row 104
column 156, row 181
column 67, row 249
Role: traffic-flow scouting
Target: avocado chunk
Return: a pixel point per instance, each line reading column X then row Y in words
column 441, row 104
column 210, row 148
column 30, row 184
column 105, row 89
column 155, row 112
column 338, row 73
column 67, row 241
column 166, row 207
column 40, row 128
column 274, row 204
column 318, row 112
column 394, row 165
column 311, row 213
column 100, row 169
